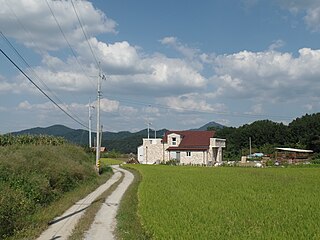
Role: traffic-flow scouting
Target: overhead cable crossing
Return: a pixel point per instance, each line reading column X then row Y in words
column 54, row 102
column 85, row 35
column 27, row 64
column 68, row 43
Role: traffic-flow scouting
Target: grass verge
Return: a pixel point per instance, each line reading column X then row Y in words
column 86, row 221
column 128, row 221
column 39, row 221
column 112, row 161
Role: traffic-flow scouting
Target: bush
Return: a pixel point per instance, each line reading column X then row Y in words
column 34, row 176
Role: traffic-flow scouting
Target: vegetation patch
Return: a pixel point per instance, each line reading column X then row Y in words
column 128, row 221
column 229, row 203
column 111, row 161
column 36, row 177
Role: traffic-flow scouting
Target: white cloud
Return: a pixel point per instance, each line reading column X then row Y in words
column 186, row 51
column 268, row 75
column 276, row 45
column 108, row 105
column 31, row 22
column 47, row 106
column 191, row 102
column 312, row 19
column 310, row 9
column 118, row 58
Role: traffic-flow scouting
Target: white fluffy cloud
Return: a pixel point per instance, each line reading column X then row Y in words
column 268, row 75
column 108, row 105
column 191, row 102
column 31, row 22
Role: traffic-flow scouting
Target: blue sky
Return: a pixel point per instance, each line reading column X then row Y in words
column 177, row 64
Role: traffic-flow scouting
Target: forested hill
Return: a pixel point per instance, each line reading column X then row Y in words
column 303, row 132
column 124, row 142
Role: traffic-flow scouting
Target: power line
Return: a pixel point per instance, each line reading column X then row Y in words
column 85, row 35
column 31, row 70
column 42, row 90
column 27, row 64
column 187, row 110
column 68, row 43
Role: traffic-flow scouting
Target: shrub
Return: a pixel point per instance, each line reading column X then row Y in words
column 35, row 176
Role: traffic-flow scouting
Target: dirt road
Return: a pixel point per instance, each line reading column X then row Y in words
column 104, row 224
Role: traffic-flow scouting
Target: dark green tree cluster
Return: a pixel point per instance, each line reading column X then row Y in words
column 265, row 135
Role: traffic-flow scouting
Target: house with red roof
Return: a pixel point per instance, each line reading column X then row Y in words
column 185, row 147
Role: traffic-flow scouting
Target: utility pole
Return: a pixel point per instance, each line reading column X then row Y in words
column 148, row 128
column 148, row 119
column 98, row 124
column 90, row 119
column 250, row 146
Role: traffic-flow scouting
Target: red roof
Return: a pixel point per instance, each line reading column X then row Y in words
column 191, row 140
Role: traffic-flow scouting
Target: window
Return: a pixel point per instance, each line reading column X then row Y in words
column 174, row 141
column 188, row 154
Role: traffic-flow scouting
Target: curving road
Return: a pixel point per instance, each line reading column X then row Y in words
column 104, row 223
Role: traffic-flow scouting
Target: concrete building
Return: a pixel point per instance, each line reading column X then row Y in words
column 185, row 147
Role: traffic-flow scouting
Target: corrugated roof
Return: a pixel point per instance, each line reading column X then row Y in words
column 295, row 150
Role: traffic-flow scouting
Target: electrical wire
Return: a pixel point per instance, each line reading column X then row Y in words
column 188, row 111
column 30, row 68
column 44, row 93
column 85, row 35
column 68, row 43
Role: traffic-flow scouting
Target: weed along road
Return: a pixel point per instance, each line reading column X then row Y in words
column 104, row 222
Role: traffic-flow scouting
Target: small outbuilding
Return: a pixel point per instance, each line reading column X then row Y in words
column 292, row 155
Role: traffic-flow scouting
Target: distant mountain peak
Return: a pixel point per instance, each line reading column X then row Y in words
column 209, row 124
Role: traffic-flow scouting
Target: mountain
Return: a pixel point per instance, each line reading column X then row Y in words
column 124, row 141
column 210, row 124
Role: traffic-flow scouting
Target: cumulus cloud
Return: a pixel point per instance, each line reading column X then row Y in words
column 119, row 58
column 31, row 22
column 47, row 106
column 182, row 48
column 276, row 45
column 191, row 102
column 268, row 75
column 108, row 105
column 310, row 9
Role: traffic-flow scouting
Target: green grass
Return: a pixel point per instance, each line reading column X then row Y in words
column 229, row 203
column 111, row 161
column 128, row 222
column 40, row 183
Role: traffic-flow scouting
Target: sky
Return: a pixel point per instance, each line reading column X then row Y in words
column 175, row 64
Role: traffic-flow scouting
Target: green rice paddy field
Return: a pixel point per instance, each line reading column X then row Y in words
column 229, row 203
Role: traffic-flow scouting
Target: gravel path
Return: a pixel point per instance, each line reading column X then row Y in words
column 104, row 223
column 62, row 226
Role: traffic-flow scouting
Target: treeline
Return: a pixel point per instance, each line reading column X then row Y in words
column 265, row 135
column 27, row 139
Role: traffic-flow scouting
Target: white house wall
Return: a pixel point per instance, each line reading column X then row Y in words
column 196, row 158
column 152, row 150
column 140, row 154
